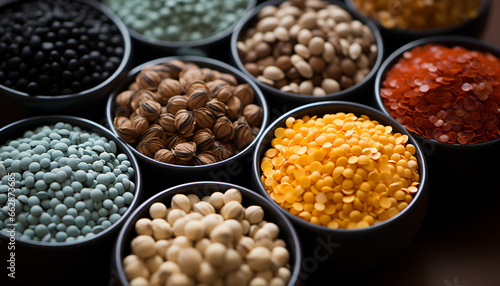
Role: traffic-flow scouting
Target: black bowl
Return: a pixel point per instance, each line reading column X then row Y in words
column 339, row 251
column 284, row 101
column 201, row 189
column 396, row 37
column 229, row 170
column 61, row 103
column 45, row 263
column 455, row 168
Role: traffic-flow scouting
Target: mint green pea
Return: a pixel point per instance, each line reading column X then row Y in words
column 26, row 208
column 106, row 223
column 25, row 163
column 61, row 236
column 54, row 202
column 122, row 210
column 77, row 186
column 108, row 204
column 114, row 217
column 61, row 210
column 39, row 175
column 55, row 218
column 86, row 214
column 61, row 227
column 98, row 148
column 55, row 136
column 112, row 193
column 22, row 198
column 94, row 215
column 45, row 218
column 72, row 231
column 41, row 230
column 68, row 191
column 23, row 147
column 3, row 198
column 89, row 204
column 97, row 166
column 62, row 175
column 103, row 179
column 70, row 239
column 57, row 154
column 103, row 212
column 29, row 182
column 34, row 167
column 86, row 159
column 68, row 220
column 62, row 161
column 15, row 166
column 55, row 186
column 32, row 200
column 113, row 210
column 72, row 151
column 45, row 203
column 86, row 229
column 45, row 163
column 80, row 221
column 80, row 176
column 119, row 201
column 40, row 185
column 42, row 195
column 96, row 195
column 97, row 229
column 49, row 177
column 36, row 210
column 85, row 193
column 29, row 233
column 69, row 202
column 79, row 206
column 90, row 180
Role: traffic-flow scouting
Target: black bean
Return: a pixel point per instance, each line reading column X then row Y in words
column 47, row 46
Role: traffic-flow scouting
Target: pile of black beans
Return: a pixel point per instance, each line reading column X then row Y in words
column 57, row 47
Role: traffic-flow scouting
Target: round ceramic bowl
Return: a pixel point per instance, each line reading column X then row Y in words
column 210, row 46
column 84, row 99
column 283, row 100
column 327, row 250
column 69, row 258
column 396, row 37
column 453, row 166
column 201, row 189
column 229, row 170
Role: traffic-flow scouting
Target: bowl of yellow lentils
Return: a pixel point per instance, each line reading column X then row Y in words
column 352, row 181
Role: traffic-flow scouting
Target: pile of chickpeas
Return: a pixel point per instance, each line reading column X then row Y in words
column 214, row 240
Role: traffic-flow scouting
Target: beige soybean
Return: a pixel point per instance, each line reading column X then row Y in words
column 212, row 240
column 321, row 41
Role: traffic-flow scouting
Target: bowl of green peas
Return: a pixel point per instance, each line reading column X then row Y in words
column 184, row 27
column 67, row 186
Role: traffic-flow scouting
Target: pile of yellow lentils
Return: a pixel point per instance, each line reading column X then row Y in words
column 340, row 171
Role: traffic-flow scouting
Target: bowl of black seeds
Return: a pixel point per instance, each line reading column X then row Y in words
column 56, row 54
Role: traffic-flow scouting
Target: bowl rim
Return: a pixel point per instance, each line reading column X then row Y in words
column 202, row 62
column 448, row 41
column 346, row 107
column 481, row 10
column 26, row 124
column 119, row 246
column 184, row 45
column 127, row 51
column 249, row 17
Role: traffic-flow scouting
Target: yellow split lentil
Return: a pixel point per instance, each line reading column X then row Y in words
column 340, row 170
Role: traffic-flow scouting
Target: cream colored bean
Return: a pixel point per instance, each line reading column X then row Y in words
column 330, row 85
column 304, row 69
column 161, row 229
column 360, row 75
column 356, row 27
column 294, row 30
column 265, row 80
column 281, row 33
column 306, row 87
column 318, row 91
column 267, row 11
column 339, row 14
column 363, row 62
column 269, row 37
column 273, row 73
column 295, row 59
column 304, row 36
column 295, row 87
column 308, row 20
column 355, row 51
column 343, row 29
column 267, row 24
column 302, row 51
column 328, row 52
column 287, row 21
column 316, row 46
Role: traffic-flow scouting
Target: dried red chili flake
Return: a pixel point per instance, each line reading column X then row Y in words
column 450, row 94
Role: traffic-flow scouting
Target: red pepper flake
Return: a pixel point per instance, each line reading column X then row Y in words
column 449, row 94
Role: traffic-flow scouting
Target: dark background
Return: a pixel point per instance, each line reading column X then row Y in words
column 459, row 242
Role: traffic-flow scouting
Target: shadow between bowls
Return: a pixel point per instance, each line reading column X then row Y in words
column 77, row 263
column 281, row 102
column 328, row 251
column 215, row 46
column 158, row 175
column 396, row 37
column 455, row 168
column 74, row 103
column 201, row 189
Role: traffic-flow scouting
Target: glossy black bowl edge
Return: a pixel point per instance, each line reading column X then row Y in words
column 414, row 213
column 56, row 256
